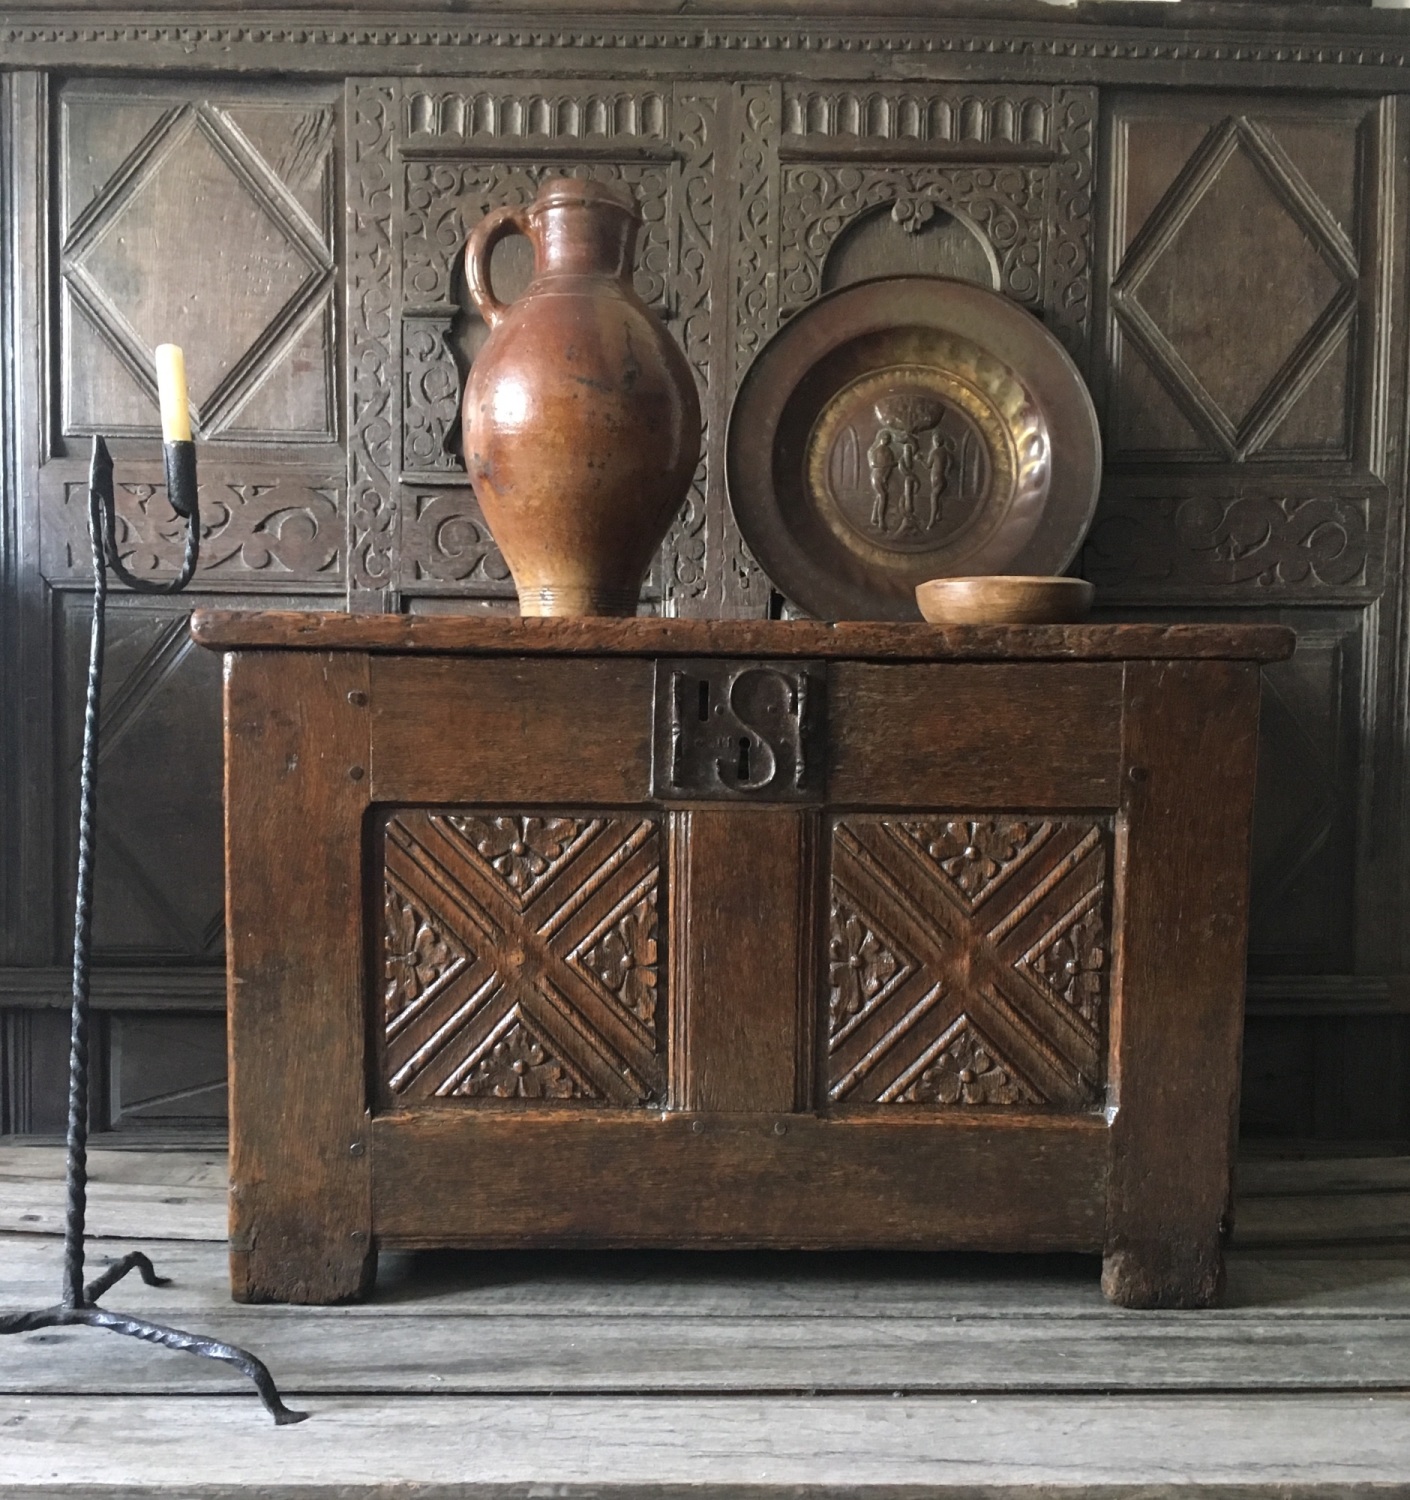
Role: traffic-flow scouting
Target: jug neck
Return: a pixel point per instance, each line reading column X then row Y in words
column 584, row 239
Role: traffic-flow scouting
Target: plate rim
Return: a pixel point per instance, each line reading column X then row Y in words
column 937, row 296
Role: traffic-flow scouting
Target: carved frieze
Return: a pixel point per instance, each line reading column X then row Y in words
column 269, row 530
column 967, row 961
column 437, row 115
column 445, row 541
column 520, row 957
column 993, row 116
column 1326, row 547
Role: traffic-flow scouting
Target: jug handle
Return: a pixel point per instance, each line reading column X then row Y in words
column 495, row 226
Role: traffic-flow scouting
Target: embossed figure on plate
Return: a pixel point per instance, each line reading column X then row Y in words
column 900, row 459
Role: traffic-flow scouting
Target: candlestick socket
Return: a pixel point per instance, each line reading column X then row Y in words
column 181, row 477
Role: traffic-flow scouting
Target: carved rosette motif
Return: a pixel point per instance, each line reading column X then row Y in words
column 962, row 1068
column 419, row 956
column 520, row 956
column 517, row 1064
column 374, row 407
column 967, row 962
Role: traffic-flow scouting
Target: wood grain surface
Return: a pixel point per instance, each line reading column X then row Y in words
column 1018, row 1182
column 297, row 752
column 497, row 635
column 1189, row 753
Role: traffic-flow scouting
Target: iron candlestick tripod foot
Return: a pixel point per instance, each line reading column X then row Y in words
column 78, row 1304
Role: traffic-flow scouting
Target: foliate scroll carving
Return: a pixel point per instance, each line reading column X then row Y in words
column 684, row 554
column 445, row 541
column 995, row 116
column 494, row 112
column 274, row 530
column 521, row 957
column 968, row 961
column 374, row 406
column 430, row 397
column 1067, row 295
column 756, row 218
column 1007, row 204
column 1247, row 544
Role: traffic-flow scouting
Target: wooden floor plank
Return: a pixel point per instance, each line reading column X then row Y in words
column 118, row 1210
column 397, row 1355
column 624, row 1446
column 764, row 1285
column 183, row 1168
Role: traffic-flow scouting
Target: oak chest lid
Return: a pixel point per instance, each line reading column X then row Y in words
column 244, row 630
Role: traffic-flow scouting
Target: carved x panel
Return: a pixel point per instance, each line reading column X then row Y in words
column 968, row 962
column 520, row 958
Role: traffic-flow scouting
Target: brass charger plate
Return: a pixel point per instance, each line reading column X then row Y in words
column 908, row 428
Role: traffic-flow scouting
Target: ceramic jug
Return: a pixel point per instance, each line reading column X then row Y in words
column 581, row 419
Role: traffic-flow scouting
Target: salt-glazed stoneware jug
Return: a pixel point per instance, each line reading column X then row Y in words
column 581, row 418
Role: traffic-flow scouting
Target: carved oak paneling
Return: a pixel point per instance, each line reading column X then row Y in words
column 1245, row 307
column 1023, row 192
column 1270, row 546
column 143, row 179
column 520, row 958
column 160, row 889
column 968, row 961
column 269, row 530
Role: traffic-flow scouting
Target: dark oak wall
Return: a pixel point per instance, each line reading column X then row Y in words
column 1208, row 205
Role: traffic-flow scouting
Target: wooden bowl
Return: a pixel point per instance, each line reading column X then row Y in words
column 1004, row 599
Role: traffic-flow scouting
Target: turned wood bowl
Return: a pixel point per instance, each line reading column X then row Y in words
column 999, row 599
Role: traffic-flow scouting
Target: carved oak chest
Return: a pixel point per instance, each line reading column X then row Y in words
column 686, row 933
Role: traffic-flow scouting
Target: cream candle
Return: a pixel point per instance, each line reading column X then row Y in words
column 171, row 390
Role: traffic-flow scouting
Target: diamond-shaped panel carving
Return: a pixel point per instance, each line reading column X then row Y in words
column 1000, row 998
column 520, row 958
column 196, row 239
column 1239, row 288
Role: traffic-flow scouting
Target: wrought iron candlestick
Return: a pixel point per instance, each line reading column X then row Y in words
column 78, row 1303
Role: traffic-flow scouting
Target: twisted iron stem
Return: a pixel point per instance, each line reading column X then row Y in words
column 77, row 1304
